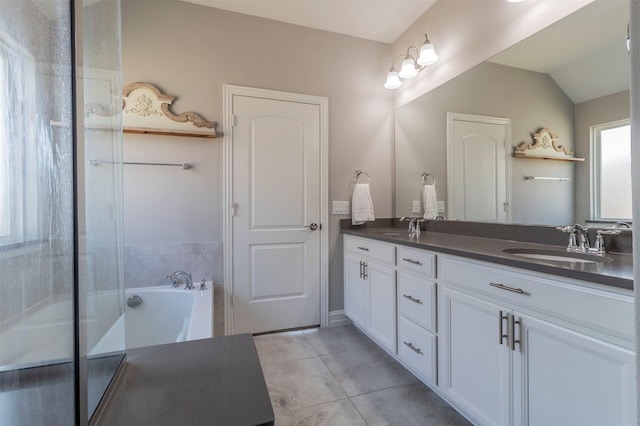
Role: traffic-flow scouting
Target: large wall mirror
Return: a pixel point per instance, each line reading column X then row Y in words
column 571, row 77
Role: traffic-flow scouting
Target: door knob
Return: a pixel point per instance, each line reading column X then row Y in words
column 313, row 226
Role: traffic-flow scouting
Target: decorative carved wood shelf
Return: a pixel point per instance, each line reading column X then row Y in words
column 541, row 157
column 544, row 147
column 146, row 110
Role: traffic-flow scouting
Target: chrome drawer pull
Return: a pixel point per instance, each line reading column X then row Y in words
column 413, row 299
column 413, row 348
column 415, row 262
column 504, row 287
column 363, row 248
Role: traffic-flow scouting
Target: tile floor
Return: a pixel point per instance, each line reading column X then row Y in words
column 337, row 376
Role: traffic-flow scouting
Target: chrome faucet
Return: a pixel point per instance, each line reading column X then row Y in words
column 187, row 278
column 576, row 233
column 579, row 239
column 414, row 225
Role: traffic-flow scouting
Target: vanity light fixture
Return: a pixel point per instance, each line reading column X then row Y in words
column 515, row 1
column 411, row 66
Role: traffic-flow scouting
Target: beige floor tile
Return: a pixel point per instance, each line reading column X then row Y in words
column 283, row 347
column 360, row 372
column 335, row 413
column 333, row 340
column 407, row 405
column 300, row 383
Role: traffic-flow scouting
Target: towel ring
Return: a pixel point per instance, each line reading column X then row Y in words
column 425, row 176
column 357, row 175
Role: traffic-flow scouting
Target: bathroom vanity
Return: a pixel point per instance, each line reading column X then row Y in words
column 506, row 338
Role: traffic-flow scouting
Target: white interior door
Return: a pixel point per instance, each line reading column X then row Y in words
column 477, row 167
column 276, row 221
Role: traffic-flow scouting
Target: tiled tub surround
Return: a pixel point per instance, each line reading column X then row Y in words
column 147, row 265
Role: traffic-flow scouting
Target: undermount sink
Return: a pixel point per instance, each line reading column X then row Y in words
column 557, row 256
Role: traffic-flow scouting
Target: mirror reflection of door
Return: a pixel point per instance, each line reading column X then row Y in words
column 477, row 167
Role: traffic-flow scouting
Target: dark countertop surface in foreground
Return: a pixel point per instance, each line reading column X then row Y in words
column 215, row 381
column 617, row 273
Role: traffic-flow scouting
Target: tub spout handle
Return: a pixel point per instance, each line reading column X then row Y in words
column 203, row 284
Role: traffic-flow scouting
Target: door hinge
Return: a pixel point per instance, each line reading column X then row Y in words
column 506, row 207
column 234, row 207
column 233, row 298
column 234, row 120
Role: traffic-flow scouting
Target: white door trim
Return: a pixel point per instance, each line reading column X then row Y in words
column 323, row 103
column 456, row 116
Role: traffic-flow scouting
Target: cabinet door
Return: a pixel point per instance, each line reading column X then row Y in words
column 567, row 378
column 382, row 312
column 355, row 291
column 474, row 366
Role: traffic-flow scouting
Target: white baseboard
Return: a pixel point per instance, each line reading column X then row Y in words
column 338, row 318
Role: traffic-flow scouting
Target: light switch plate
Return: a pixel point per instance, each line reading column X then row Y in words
column 341, row 207
column 440, row 205
column 416, row 206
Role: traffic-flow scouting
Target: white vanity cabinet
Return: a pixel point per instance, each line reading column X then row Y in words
column 370, row 288
column 522, row 349
column 417, row 342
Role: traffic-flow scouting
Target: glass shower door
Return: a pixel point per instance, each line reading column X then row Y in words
column 61, row 286
column 36, row 214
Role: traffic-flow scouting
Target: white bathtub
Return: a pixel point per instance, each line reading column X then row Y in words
column 166, row 315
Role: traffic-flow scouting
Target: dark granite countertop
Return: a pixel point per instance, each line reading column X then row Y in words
column 215, row 381
column 617, row 273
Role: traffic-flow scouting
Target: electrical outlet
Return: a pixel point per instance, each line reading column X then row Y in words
column 440, row 206
column 416, row 206
column 341, row 207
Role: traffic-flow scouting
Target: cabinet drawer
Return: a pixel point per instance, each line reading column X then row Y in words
column 417, row 300
column 589, row 307
column 417, row 347
column 370, row 249
column 419, row 262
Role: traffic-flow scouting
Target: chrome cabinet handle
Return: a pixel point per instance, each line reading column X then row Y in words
column 415, row 262
column 413, row 348
column 363, row 248
column 361, row 269
column 515, row 341
column 364, row 270
column 413, row 299
column 504, row 287
column 501, row 335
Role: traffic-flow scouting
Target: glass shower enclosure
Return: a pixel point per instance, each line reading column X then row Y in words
column 61, row 279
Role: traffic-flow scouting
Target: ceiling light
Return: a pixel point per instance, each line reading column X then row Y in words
column 515, row 1
column 411, row 66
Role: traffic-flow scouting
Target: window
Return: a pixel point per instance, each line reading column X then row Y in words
column 18, row 150
column 611, row 171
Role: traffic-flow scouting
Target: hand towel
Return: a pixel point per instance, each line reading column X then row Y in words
column 361, row 204
column 430, row 199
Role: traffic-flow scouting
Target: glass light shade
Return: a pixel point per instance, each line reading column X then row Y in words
column 408, row 69
column 393, row 80
column 427, row 54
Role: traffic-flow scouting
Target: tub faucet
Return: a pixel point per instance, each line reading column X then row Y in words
column 187, row 278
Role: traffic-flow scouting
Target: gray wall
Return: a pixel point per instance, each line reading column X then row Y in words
column 533, row 101
column 190, row 51
column 591, row 113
